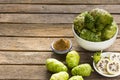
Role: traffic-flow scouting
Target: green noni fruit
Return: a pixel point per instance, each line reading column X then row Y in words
column 55, row 66
column 60, row 76
column 72, row 59
column 82, row 70
column 76, row 78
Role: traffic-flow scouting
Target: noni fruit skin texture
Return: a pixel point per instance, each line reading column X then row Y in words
column 82, row 70
column 72, row 59
column 60, row 76
column 76, row 78
column 55, row 66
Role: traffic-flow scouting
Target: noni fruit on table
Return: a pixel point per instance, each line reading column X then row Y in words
column 82, row 70
column 76, row 78
column 60, row 76
column 72, row 59
column 55, row 66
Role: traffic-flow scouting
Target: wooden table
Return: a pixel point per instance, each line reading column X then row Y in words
column 27, row 28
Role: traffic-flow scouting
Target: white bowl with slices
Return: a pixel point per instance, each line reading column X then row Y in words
column 112, row 66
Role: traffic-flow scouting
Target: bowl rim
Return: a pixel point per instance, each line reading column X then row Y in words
column 115, row 35
column 106, row 75
column 61, row 51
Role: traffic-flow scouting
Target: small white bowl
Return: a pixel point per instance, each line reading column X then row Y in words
column 61, row 51
column 105, row 54
column 94, row 46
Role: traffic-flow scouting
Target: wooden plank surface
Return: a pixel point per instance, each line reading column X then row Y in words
column 38, row 58
column 39, row 44
column 42, row 18
column 38, row 30
column 36, row 72
column 63, row 1
column 28, row 27
column 28, row 8
column 14, row 72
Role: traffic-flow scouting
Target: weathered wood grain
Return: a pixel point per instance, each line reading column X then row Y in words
column 23, row 72
column 25, row 44
column 42, row 18
column 40, row 44
column 7, row 57
column 36, row 18
column 62, row 1
column 37, row 30
column 28, row 8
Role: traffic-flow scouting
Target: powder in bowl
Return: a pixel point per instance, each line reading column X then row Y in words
column 62, row 44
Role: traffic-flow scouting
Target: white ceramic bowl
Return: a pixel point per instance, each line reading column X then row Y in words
column 105, row 54
column 94, row 46
column 61, row 51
